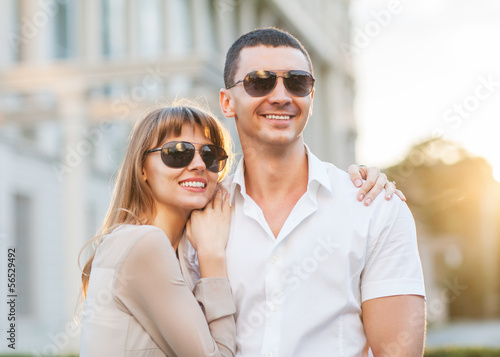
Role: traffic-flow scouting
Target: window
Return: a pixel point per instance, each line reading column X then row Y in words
column 23, row 235
column 15, row 37
column 113, row 17
column 64, row 41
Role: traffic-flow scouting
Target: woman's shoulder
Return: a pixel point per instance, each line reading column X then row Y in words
column 151, row 245
column 135, row 229
column 116, row 245
column 149, row 238
column 130, row 234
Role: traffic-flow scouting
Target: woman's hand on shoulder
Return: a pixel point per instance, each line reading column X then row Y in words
column 375, row 182
column 208, row 229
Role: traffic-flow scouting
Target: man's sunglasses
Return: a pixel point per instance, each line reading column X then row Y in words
column 179, row 154
column 261, row 83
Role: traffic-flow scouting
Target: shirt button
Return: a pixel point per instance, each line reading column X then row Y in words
column 269, row 354
column 273, row 308
column 274, row 260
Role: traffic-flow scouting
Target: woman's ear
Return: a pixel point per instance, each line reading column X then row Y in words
column 144, row 175
column 226, row 103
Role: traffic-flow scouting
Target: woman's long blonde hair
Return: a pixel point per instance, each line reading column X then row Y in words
column 132, row 201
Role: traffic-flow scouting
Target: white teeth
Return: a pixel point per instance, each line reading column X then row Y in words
column 279, row 117
column 197, row 184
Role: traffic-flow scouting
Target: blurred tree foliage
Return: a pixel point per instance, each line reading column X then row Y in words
column 463, row 352
column 453, row 195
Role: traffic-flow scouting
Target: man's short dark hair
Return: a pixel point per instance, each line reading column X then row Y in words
column 269, row 36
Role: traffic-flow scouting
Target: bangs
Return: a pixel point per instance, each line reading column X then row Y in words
column 170, row 121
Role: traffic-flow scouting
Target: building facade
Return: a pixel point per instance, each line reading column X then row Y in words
column 75, row 76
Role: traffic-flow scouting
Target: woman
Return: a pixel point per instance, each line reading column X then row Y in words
column 137, row 303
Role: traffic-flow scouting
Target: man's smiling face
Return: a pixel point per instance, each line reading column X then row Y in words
column 279, row 117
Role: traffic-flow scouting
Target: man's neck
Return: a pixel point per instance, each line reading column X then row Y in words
column 276, row 179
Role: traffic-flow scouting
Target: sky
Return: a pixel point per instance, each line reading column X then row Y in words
column 426, row 68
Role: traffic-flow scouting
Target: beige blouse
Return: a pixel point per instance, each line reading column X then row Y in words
column 138, row 303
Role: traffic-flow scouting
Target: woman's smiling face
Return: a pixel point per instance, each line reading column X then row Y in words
column 186, row 188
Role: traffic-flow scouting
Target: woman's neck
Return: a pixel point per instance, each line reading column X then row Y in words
column 172, row 223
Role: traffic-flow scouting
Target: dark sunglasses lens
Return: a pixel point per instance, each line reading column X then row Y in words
column 258, row 84
column 177, row 154
column 214, row 157
column 299, row 83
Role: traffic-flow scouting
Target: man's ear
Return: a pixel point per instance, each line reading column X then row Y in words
column 226, row 103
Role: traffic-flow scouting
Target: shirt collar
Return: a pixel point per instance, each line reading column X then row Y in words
column 238, row 179
column 317, row 171
column 318, row 175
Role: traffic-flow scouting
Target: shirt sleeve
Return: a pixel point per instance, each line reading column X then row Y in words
column 150, row 285
column 393, row 264
column 188, row 261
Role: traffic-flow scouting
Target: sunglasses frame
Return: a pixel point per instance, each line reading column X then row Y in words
column 285, row 75
column 214, row 167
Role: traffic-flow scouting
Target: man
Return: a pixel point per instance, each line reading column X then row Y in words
column 313, row 272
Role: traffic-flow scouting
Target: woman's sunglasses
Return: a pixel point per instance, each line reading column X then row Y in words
column 261, row 83
column 179, row 154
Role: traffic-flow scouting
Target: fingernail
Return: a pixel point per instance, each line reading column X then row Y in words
column 360, row 197
column 358, row 182
column 368, row 201
column 387, row 197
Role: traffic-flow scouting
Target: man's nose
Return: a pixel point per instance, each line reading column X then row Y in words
column 280, row 94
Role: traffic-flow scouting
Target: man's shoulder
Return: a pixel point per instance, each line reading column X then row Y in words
column 344, row 188
column 339, row 179
column 323, row 170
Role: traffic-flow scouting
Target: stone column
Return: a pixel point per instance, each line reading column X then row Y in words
column 162, row 8
column 116, row 19
column 37, row 23
column 267, row 18
column 149, row 20
column 73, row 176
column 92, row 33
column 338, row 106
column 203, row 27
column 132, row 27
column 247, row 16
column 318, row 128
column 179, row 43
column 178, row 31
column 9, row 42
column 225, row 22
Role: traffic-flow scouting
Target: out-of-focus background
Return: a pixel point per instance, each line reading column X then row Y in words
column 410, row 86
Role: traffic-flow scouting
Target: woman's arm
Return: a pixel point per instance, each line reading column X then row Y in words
column 151, row 287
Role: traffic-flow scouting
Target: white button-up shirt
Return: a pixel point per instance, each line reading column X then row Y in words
column 300, row 294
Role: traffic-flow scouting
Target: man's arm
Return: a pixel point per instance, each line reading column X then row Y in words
column 395, row 325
